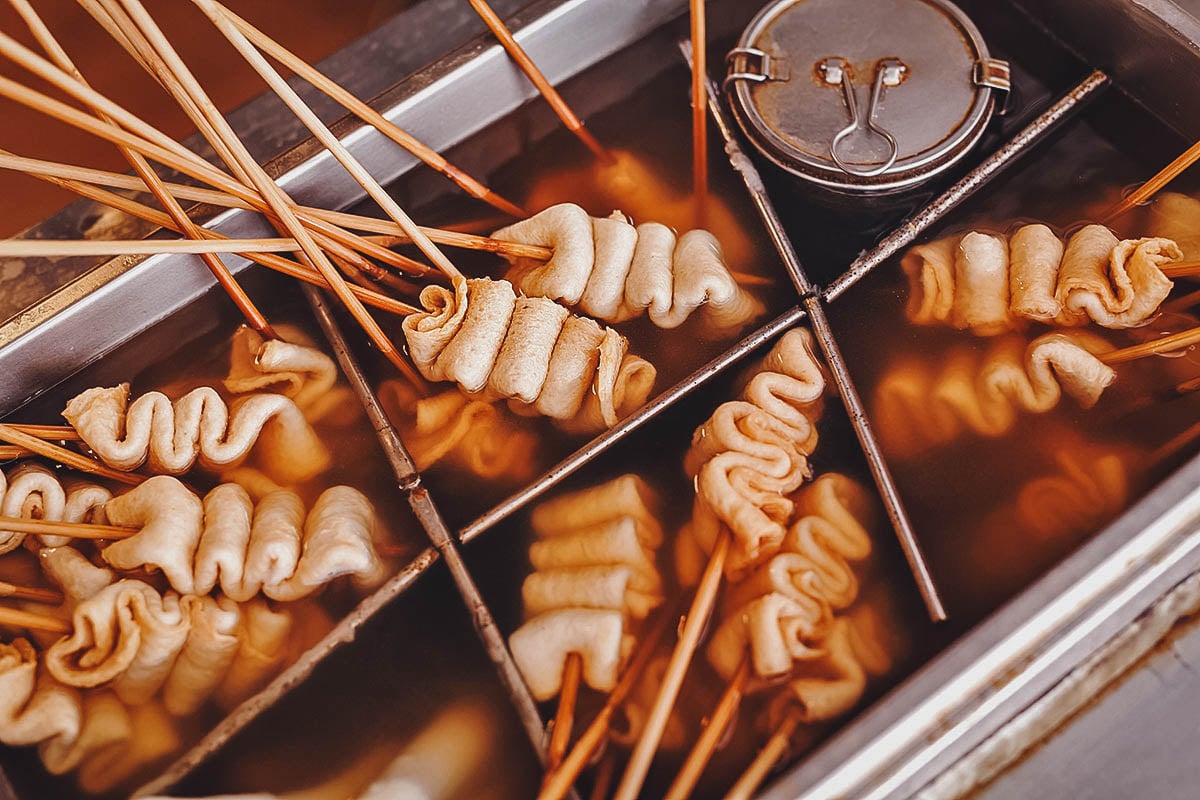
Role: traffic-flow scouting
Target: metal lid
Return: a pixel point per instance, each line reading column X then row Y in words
column 864, row 96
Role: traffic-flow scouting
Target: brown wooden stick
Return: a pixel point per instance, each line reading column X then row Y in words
column 31, row 593
column 66, row 457
column 275, row 197
column 517, row 53
column 53, row 432
column 76, row 530
column 564, row 717
column 559, row 781
column 605, row 773
column 16, row 618
column 699, row 110
column 681, row 658
column 9, row 452
column 273, row 262
column 767, row 758
column 1181, row 269
column 369, row 115
column 467, row 241
column 254, row 317
column 50, row 248
column 1152, row 186
column 1167, row 344
column 702, row 751
column 318, row 128
column 153, row 143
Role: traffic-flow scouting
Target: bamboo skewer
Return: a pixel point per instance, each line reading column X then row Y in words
column 65, row 457
column 76, row 530
column 369, row 115
column 9, row 452
column 311, row 121
column 604, row 776
column 1167, row 344
column 53, row 432
column 537, row 78
column 681, row 657
column 564, row 717
column 767, row 757
column 1181, row 269
column 1156, row 183
column 274, row 197
column 699, row 111
column 16, row 618
column 454, row 238
column 558, row 781
column 274, row 262
column 48, row 248
column 31, row 593
column 255, row 318
column 153, row 143
column 702, row 751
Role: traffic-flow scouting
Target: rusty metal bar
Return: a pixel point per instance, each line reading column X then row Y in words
column 409, row 482
column 811, row 300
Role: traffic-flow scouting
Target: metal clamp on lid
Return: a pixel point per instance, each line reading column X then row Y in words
column 752, row 64
column 995, row 74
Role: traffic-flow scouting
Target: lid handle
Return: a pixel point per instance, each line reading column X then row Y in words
column 754, row 65
column 995, row 74
column 888, row 72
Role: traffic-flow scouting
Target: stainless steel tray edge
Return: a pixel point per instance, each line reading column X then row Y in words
column 442, row 104
column 992, row 673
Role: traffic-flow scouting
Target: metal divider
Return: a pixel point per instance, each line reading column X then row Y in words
column 425, row 509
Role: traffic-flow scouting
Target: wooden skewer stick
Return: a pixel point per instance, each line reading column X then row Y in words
column 559, row 781
column 31, row 593
column 274, row 196
column 1181, row 303
column 564, row 717
column 54, row 432
column 1181, row 269
column 9, row 452
column 65, row 457
column 454, row 238
column 153, row 143
column 1167, row 344
column 681, row 658
column 604, row 776
column 702, row 751
column 468, row 241
column 274, row 262
column 16, row 618
column 311, row 121
column 76, row 530
column 699, row 111
column 1152, row 186
column 372, row 117
column 767, row 758
column 47, row 248
column 255, row 318
column 517, row 53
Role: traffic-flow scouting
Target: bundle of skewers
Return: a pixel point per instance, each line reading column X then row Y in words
column 789, row 631
column 479, row 334
column 174, row 599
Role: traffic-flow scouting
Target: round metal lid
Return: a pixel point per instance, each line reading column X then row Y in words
column 864, row 95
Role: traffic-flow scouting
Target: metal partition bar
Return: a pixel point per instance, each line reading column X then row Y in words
column 811, row 300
